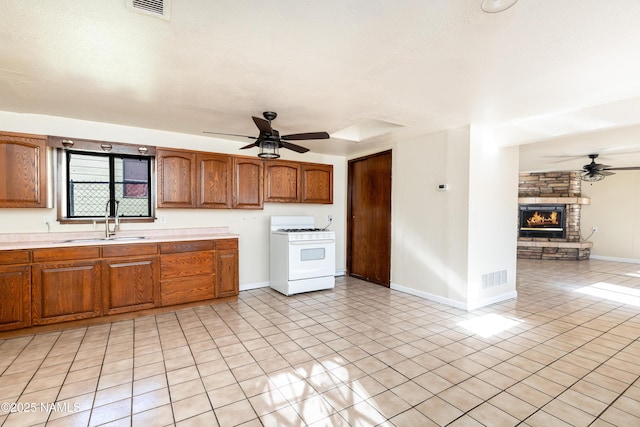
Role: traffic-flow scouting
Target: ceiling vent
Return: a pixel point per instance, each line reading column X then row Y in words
column 157, row 8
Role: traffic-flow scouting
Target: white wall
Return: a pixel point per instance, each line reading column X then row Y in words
column 615, row 210
column 493, row 217
column 251, row 225
column 429, row 239
column 444, row 241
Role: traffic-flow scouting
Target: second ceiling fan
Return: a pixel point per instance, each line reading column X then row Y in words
column 597, row 171
column 269, row 139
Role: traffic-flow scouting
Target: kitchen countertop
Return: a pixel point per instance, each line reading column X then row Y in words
column 9, row 241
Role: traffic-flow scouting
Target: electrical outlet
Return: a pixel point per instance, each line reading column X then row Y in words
column 163, row 219
column 594, row 229
column 330, row 218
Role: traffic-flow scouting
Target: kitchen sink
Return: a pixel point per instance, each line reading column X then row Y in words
column 104, row 239
column 127, row 238
column 95, row 239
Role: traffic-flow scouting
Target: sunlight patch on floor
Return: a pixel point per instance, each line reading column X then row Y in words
column 613, row 292
column 489, row 324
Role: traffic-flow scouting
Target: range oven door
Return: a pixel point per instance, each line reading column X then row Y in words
column 312, row 258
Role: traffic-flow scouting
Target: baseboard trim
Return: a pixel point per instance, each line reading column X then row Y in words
column 454, row 303
column 616, row 259
column 429, row 296
column 250, row 286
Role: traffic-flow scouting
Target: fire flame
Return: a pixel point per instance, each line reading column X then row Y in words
column 537, row 219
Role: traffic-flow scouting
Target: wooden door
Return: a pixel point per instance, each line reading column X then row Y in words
column 369, row 218
column 227, row 282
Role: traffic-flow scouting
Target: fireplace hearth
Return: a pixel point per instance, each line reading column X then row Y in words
column 546, row 221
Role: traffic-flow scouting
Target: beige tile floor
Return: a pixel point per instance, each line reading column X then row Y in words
column 359, row 355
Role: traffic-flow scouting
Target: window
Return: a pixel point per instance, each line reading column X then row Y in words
column 95, row 178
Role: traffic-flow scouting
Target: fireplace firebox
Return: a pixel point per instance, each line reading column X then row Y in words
column 542, row 221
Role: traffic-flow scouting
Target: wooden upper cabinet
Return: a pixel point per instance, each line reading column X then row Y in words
column 248, row 183
column 23, row 182
column 193, row 179
column 176, row 179
column 281, row 181
column 317, row 183
column 214, row 176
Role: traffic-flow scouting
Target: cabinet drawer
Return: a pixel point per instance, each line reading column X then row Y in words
column 186, row 264
column 129, row 250
column 227, row 244
column 190, row 289
column 73, row 253
column 15, row 257
column 177, row 247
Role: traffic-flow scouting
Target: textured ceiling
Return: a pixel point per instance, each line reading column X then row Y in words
column 540, row 70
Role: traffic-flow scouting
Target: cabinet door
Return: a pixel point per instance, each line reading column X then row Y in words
column 15, row 297
column 214, row 180
column 282, row 181
column 247, row 188
column 227, row 280
column 317, row 183
column 130, row 284
column 22, row 171
column 65, row 291
column 176, row 179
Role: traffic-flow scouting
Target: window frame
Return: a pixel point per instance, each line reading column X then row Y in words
column 63, row 186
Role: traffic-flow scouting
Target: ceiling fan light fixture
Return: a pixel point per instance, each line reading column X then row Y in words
column 269, row 150
column 495, row 6
column 592, row 177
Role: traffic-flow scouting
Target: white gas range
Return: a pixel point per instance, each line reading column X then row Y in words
column 302, row 256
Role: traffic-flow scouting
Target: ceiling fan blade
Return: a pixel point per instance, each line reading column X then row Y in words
column 230, row 134
column 305, row 136
column 629, row 168
column 605, row 173
column 262, row 124
column 253, row 144
column 293, row 147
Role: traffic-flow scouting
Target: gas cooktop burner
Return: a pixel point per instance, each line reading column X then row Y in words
column 296, row 230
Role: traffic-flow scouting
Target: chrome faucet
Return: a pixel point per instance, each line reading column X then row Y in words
column 107, row 231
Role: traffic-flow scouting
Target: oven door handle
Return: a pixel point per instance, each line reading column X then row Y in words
column 311, row 242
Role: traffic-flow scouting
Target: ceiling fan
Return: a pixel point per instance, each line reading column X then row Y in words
column 597, row 171
column 269, row 139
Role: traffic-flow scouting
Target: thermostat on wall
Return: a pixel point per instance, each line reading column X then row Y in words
column 443, row 187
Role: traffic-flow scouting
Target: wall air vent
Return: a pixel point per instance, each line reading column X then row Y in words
column 495, row 278
column 157, row 8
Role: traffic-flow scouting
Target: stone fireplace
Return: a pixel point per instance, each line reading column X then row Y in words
column 549, row 216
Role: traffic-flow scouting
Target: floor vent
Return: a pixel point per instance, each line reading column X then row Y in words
column 158, row 8
column 495, row 278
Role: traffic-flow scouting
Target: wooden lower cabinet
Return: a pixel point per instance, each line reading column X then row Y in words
column 130, row 284
column 50, row 285
column 227, row 278
column 65, row 290
column 15, row 297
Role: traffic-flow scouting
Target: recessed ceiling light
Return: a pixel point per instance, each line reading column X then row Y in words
column 495, row 6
